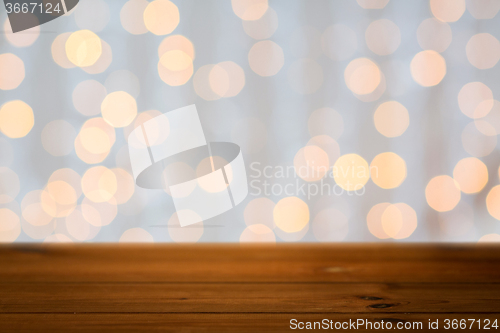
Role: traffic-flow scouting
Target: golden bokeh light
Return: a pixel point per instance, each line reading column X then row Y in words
column 125, row 185
column 250, row 10
column 442, row 193
column 58, row 50
column 33, row 212
column 10, row 185
column 362, row 76
column 189, row 234
column 471, row 174
column 428, row 68
column 433, row 34
column 483, row 9
column 260, row 211
column 22, row 38
column 372, row 4
column 483, row 51
column 201, row 83
column 69, row 176
column 62, row 192
column 266, row 58
column 339, row 42
column 257, row 233
column 328, row 145
column 226, row 79
column 398, row 221
column 391, row 119
column 374, row 220
column 447, row 10
column 136, row 235
column 58, row 137
column 475, row 99
column 83, row 48
column 311, row 163
column 489, row 238
column 305, row 76
column 132, row 16
column 325, row 121
column 176, row 42
column 383, row 37
column 479, row 138
column 291, row 236
column 10, row 226
column 95, row 140
column 219, row 80
column 351, row 172
column 99, row 184
column 264, row 27
column 11, row 71
column 493, row 202
column 58, row 198
column 16, row 119
column 161, row 17
column 85, row 140
column 330, row 225
column 388, row 170
column 175, row 67
column 376, row 94
column 119, row 109
column 291, row 214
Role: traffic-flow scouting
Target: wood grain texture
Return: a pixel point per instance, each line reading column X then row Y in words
column 229, row 288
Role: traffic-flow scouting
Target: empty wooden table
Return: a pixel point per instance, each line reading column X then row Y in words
column 235, row 288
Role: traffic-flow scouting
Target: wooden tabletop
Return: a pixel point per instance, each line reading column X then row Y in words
column 235, row 288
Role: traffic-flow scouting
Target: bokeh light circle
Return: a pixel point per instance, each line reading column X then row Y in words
column 351, row 172
column 11, row 71
column 483, row 51
column 442, row 193
column 83, row 48
column 291, row 214
column 161, row 17
column 362, row 76
column 383, row 37
column 447, row 10
column 471, row 174
column 391, row 119
column 16, row 119
column 388, row 170
column 266, row 58
column 119, row 109
column 428, row 68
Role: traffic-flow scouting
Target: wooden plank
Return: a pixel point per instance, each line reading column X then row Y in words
column 389, row 263
column 227, row 322
column 248, row 297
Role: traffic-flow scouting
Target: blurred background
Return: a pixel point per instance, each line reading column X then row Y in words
column 393, row 99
